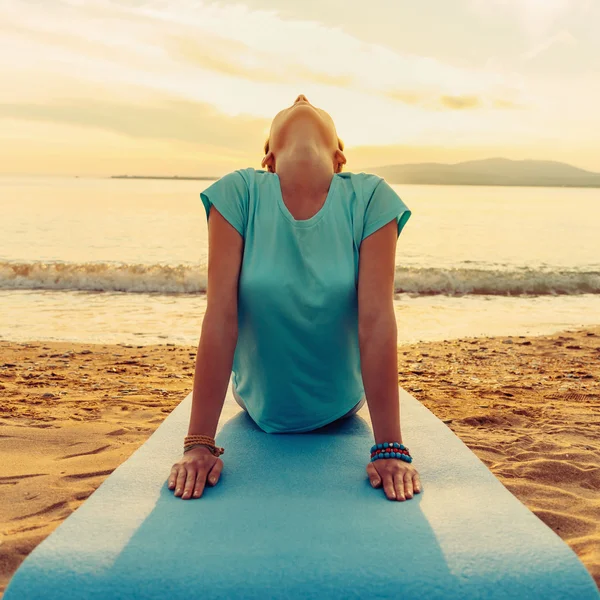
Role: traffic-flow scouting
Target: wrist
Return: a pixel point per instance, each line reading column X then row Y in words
column 192, row 441
column 388, row 436
column 390, row 450
column 199, row 449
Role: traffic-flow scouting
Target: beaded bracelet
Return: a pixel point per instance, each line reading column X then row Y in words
column 196, row 437
column 191, row 441
column 214, row 449
column 390, row 450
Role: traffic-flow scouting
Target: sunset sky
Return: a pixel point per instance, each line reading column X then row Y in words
column 100, row 87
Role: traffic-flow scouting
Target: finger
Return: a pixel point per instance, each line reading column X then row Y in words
column 416, row 483
column 180, row 482
column 399, row 486
column 190, row 480
column 172, row 477
column 388, row 486
column 408, row 485
column 200, row 483
column 373, row 475
column 215, row 472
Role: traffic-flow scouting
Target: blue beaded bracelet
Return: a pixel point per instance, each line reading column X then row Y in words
column 399, row 455
column 388, row 445
column 390, row 451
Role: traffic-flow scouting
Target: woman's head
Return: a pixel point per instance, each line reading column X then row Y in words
column 302, row 126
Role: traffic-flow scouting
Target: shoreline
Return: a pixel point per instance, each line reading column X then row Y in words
column 527, row 406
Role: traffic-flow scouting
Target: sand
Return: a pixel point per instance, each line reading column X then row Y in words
column 529, row 407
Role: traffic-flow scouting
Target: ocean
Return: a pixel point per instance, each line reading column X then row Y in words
column 89, row 259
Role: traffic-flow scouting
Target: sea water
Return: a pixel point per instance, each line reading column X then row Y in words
column 125, row 260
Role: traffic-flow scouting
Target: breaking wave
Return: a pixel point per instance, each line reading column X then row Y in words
column 192, row 279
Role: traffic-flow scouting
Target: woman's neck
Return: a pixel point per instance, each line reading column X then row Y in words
column 305, row 172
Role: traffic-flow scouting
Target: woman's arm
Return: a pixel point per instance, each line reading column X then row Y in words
column 377, row 331
column 219, row 327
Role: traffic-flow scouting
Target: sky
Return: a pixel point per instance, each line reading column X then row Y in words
column 189, row 88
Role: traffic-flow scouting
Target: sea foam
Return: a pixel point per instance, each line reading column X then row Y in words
column 192, row 279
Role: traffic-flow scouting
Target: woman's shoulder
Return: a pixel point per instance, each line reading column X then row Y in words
column 361, row 178
column 361, row 184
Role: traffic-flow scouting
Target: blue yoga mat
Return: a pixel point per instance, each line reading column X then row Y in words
column 294, row 516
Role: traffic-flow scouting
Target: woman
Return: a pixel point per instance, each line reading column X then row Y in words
column 300, row 301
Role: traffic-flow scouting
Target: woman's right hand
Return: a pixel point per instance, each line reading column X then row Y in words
column 193, row 470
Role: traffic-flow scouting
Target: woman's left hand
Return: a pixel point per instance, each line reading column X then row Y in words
column 400, row 479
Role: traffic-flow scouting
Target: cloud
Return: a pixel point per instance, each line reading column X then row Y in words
column 461, row 102
column 535, row 17
column 216, row 73
column 169, row 119
column 436, row 101
column 67, row 44
column 562, row 37
column 407, row 97
column 192, row 40
column 237, row 59
column 506, row 104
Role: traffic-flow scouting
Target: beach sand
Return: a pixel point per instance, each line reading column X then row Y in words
column 528, row 407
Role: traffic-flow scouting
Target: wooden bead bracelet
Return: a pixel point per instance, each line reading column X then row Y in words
column 192, row 441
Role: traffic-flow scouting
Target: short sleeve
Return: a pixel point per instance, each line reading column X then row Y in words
column 383, row 206
column 229, row 195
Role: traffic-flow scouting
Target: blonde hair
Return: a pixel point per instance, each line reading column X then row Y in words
column 340, row 146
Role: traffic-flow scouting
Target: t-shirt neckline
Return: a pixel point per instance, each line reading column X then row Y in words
column 304, row 222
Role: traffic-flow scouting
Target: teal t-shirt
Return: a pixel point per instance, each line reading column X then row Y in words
column 297, row 360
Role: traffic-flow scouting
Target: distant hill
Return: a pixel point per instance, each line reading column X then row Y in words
column 182, row 177
column 492, row 171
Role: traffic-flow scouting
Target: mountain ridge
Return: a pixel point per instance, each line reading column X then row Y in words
column 489, row 171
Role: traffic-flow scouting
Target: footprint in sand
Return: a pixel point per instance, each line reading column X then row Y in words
column 96, row 451
column 12, row 479
column 88, row 475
